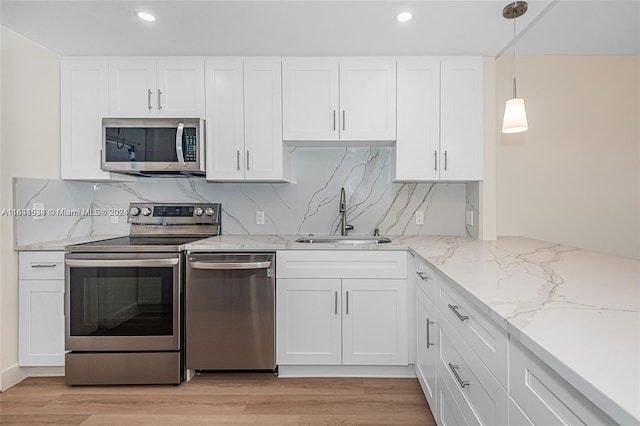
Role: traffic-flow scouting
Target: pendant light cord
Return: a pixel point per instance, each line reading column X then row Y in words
column 515, row 17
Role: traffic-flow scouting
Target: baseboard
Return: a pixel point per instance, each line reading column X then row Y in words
column 386, row 371
column 44, row 371
column 11, row 376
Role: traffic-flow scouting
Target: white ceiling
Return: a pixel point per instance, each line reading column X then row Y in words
column 325, row 27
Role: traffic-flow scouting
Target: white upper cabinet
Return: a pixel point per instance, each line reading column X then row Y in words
column 461, row 119
column 244, row 121
column 310, row 99
column 84, row 101
column 150, row 88
column 331, row 100
column 418, row 143
column 440, row 120
column 368, row 100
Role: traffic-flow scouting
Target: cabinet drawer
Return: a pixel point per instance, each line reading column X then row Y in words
column 488, row 341
column 425, row 278
column 477, row 393
column 41, row 265
column 546, row 398
column 341, row 264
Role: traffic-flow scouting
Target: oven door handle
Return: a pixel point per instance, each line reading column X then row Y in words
column 122, row 263
column 231, row 265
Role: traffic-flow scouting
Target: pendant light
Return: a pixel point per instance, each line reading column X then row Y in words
column 515, row 115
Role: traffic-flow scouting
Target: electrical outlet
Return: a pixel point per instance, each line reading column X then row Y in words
column 419, row 218
column 260, row 218
column 469, row 218
column 115, row 220
column 39, row 209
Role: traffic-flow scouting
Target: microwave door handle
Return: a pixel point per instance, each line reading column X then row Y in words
column 179, row 153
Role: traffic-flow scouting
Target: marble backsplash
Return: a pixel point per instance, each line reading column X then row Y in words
column 309, row 205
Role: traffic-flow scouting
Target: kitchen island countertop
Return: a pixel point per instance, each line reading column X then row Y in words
column 577, row 310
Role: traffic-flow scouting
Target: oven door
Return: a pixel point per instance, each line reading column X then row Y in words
column 122, row 302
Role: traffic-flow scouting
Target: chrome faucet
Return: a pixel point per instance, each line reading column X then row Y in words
column 343, row 212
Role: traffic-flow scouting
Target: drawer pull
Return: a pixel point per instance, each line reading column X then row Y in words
column 423, row 276
column 454, row 371
column 461, row 317
column 43, row 265
column 428, row 334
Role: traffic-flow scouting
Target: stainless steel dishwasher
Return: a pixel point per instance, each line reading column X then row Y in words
column 230, row 311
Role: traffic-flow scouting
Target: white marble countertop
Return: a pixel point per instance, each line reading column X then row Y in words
column 58, row 245
column 577, row 310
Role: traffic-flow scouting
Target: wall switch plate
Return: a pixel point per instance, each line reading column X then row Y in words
column 260, row 218
column 419, row 218
column 39, row 211
column 115, row 220
column 469, row 218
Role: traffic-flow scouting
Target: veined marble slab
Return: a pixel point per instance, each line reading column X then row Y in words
column 577, row 310
column 59, row 245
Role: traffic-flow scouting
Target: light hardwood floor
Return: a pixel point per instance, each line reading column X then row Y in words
column 219, row 400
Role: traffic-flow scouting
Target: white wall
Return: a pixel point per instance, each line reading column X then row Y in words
column 30, row 129
column 574, row 177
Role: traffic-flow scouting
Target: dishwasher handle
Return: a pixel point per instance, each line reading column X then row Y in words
column 230, row 265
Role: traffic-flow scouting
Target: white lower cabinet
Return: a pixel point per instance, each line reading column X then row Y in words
column 344, row 315
column 41, row 309
column 544, row 397
column 427, row 346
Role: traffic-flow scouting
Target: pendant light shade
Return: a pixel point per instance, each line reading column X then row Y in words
column 515, row 116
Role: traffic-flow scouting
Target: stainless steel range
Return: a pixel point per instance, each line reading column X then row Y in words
column 123, row 300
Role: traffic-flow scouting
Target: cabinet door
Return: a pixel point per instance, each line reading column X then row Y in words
column 308, row 322
column 416, row 149
column 461, row 124
column 310, row 99
column 180, row 91
column 427, row 347
column 83, row 101
column 374, row 322
column 368, row 100
column 41, row 323
column 264, row 151
column 224, row 120
column 132, row 88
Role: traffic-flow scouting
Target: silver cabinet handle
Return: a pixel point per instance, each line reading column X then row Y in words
column 435, row 160
column 336, row 303
column 428, row 336
column 423, row 276
column 43, row 265
column 179, row 152
column 445, row 160
column 455, row 308
column 238, row 159
column 343, row 120
column 347, row 303
column 159, row 99
column 248, row 168
column 334, row 119
column 149, row 93
column 454, row 371
column 230, row 265
column 123, row 263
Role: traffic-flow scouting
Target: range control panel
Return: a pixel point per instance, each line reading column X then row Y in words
column 174, row 213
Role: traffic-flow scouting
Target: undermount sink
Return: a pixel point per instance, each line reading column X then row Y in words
column 336, row 239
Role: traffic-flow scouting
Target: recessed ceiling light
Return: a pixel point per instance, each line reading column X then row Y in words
column 404, row 16
column 146, row 16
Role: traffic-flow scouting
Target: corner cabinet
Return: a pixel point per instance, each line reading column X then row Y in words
column 41, row 309
column 341, row 308
column 440, row 120
column 244, row 121
column 156, row 88
column 339, row 100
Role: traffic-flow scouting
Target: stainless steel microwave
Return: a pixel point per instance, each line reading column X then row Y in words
column 153, row 145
